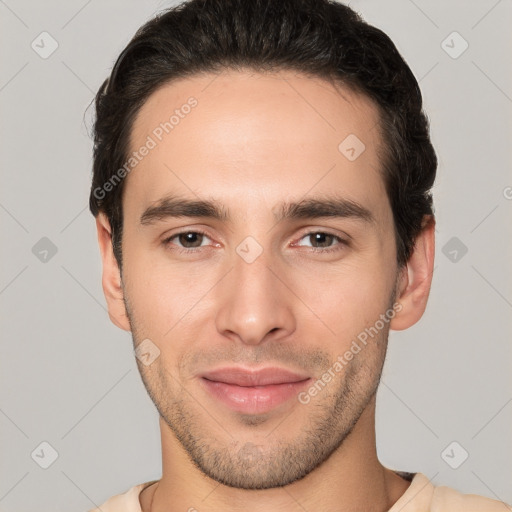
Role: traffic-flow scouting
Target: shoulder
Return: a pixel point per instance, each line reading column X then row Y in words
column 423, row 496
column 448, row 499
column 125, row 502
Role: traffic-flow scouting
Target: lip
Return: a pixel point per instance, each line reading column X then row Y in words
column 247, row 377
column 253, row 391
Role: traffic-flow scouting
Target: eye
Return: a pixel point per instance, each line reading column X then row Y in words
column 187, row 241
column 322, row 241
column 191, row 241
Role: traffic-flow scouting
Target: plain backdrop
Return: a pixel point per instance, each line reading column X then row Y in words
column 68, row 376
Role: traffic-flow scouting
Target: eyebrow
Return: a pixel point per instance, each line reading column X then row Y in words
column 311, row 208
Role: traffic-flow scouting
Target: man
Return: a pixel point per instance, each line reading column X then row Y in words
column 261, row 188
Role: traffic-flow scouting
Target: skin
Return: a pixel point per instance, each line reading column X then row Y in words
column 253, row 141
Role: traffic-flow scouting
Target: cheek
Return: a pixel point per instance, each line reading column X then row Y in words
column 344, row 301
column 162, row 296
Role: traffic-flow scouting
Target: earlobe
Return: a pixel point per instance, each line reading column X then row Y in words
column 415, row 278
column 111, row 279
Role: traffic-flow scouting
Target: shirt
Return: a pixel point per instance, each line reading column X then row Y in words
column 420, row 496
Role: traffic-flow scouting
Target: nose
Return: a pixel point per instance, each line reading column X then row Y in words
column 255, row 304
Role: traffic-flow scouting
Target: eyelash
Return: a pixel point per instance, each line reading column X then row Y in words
column 182, row 250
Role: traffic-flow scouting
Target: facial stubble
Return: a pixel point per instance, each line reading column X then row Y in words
column 231, row 449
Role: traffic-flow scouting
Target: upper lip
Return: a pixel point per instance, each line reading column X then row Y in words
column 246, row 377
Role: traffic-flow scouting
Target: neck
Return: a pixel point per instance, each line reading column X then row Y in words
column 351, row 479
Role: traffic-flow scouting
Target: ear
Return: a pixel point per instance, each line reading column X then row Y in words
column 415, row 278
column 111, row 280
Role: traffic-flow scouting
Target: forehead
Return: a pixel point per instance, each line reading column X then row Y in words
column 241, row 134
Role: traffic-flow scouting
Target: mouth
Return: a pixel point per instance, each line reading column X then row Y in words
column 253, row 392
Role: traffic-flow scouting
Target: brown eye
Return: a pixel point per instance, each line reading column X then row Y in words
column 323, row 239
column 322, row 242
column 192, row 238
column 186, row 240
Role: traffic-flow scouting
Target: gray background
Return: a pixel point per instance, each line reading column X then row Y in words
column 69, row 376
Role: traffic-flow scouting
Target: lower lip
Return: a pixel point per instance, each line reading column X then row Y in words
column 253, row 399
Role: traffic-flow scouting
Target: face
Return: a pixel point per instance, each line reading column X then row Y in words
column 290, row 263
